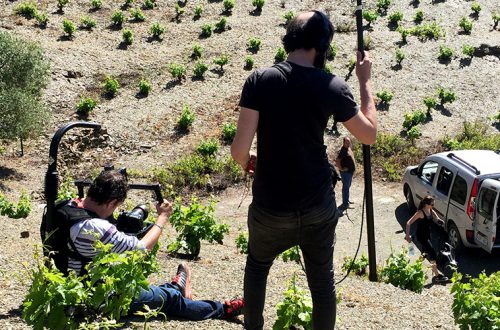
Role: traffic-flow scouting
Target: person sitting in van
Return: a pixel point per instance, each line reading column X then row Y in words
column 425, row 216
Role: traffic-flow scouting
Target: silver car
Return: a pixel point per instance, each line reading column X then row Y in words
column 465, row 185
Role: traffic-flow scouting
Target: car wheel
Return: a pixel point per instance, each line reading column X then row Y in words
column 454, row 238
column 409, row 201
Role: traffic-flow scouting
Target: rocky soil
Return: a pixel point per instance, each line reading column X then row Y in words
column 139, row 132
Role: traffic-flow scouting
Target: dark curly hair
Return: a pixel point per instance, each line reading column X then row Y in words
column 108, row 186
column 315, row 32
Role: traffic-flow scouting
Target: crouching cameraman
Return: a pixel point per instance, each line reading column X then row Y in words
column 105, row 195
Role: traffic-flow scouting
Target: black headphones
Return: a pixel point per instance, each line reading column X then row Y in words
column 324, row 43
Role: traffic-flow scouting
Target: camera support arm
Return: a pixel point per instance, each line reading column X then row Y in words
column 155, row 187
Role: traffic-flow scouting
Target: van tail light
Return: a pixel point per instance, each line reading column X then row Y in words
column 469, row 235
column 472, row 197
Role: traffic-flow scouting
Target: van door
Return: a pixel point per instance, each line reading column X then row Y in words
column 441, row 194
column 487, row 213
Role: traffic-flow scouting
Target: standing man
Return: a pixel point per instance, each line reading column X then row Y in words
column 345, row 164
column 288, row 105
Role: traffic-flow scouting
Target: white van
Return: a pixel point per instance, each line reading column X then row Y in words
column 465, row 185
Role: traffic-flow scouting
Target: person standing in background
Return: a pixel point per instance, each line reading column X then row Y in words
column 346, row 165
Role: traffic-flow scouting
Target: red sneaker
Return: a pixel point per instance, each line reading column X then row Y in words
column 183, row 280
column 233, row 308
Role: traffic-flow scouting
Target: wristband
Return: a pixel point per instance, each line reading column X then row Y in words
column 157, row 225
column 250, row 168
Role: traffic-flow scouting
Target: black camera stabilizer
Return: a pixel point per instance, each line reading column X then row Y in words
column 52, row 177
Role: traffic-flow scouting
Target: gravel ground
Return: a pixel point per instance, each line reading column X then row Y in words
column 141, row 135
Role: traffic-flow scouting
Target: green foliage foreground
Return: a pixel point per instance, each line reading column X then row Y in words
column 476, row 304
column 403, row 274
column 98, row 298
column 295, row 309
column 13, row 211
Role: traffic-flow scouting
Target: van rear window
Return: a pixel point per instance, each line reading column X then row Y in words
column 459, row 190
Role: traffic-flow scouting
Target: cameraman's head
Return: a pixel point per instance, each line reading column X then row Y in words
column 310, row 30
column 107, row 192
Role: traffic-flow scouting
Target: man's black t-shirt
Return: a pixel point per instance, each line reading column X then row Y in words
column 294, row 103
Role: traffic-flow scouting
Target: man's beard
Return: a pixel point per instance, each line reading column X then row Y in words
column 320, row 60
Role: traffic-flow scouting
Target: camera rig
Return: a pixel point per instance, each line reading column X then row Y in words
column 136, row 216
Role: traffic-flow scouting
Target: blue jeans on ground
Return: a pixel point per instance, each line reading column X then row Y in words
column 271, row 233
column 346, row 185
column 174, row 304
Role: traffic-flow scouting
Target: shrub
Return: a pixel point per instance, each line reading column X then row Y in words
column 221, row 61
column 292, row 254
column 110, row 86
column 385, row 96
column 221, row 25
column 199, row 69
column 198, row 10
column 185, row 121
column 430, row 102
column 328, row 68
column 396, row 17
column 475, row 301
column 288, row 16
column 242, row 243
column 474, row 135
column 403, row 32
column 370, row 16
column 400, row 56
column 419, row 16
column 128, row 37
column 195, row 223
column 496, row 18
column 465, row 24
column 413, row 119
column 254, row 44
column 118, row 18
column 427, row 31
column 332, row 52
column 413, row 134
column 206, row 30
column 42, row 19
column 27, row 9
column 178, row 71
column 157, row 30
column 208, row 147
column 137, row 14
column 149, row 4
column 178, row 11
column 197, row 51
column 228, row 5
column 15, row 211
column 468, row 50
column 128, row 3
column 95, row 4
column 249, row 62
column 22, row 80
column 358, row 266
column 400, row 273
column 61, row 4
column 87, row 22
column 280, row 55
column 392, row 172
column 69, row 27
column 383, row 5
column 144, row 87
column 351, row 65
column 476, row 8
column 258, row 4
column 445, row 53
column 228, row 132
column 86, row 105
column 446, row 95
column 295, row 310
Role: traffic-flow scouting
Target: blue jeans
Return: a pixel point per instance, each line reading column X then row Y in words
column 346, row 185
column 271, row 233
column 174, row 304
